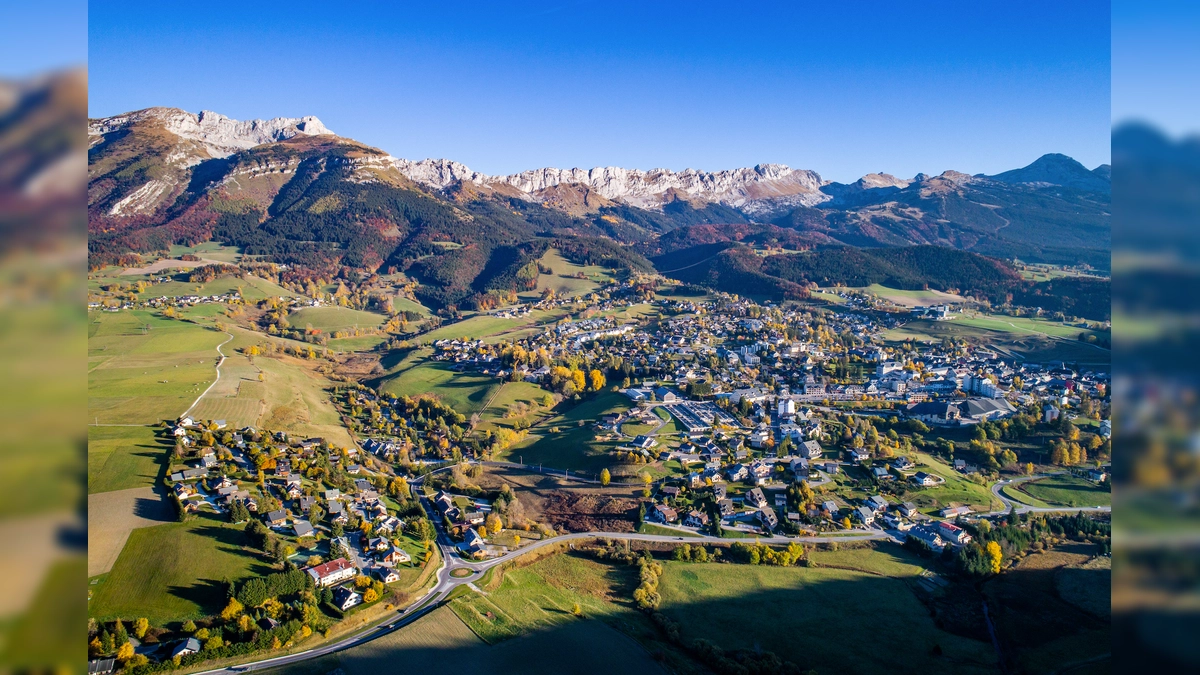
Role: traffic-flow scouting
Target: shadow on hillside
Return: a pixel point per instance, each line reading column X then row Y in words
column 155, row 508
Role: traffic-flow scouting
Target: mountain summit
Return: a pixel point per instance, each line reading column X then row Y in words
column 1056, row 169
column 218, row 134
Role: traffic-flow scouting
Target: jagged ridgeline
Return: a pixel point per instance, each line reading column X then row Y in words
column 290, row 191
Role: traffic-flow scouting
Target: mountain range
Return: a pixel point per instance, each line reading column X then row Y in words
column 291, row 189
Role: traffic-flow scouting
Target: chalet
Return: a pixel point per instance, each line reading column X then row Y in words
column 395, row 556
column 663, row 514
column 894, row 521
column 302, row 528
column 669, row 492
column 925, row 479
column 907, row 509
column 277, row 518
column 377, row 544
column 858, row 455
column 306, row 503
column 387, row 575
column 864, row 515
column 344, row 598
column 755, row 498
column 696, row 519
column 810, row 450
column 1097, row 475
column 474, row 517
column 183, row 491
column 881, row 474
column 188, row 474
column 768, row 519
column 902, row 464
column 332, row 572
column 799, row 467
column 876, row 503
column 332, row 494
column 643, row 442
column 472, row 543
column 737, row 472
column 829, row 506
column 102, row 666
column 725, row 506
column 719, row 492
column 185, row 647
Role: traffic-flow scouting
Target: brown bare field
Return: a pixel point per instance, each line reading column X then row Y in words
column 113, row 515
column 169, row 263
column 565, row 504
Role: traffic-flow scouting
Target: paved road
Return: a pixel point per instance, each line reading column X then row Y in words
column 1023, row 508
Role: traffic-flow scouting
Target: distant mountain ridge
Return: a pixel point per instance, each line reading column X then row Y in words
column 291, row 190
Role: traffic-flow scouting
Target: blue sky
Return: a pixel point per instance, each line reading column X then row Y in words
column 842, row 88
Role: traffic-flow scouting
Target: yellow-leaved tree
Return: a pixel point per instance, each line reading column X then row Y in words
column 995, row 556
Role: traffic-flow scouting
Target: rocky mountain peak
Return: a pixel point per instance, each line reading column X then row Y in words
column 221, row 136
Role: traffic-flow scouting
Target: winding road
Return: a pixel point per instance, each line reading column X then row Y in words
column 452, row 563
column 214, row 382
column 1025, row 508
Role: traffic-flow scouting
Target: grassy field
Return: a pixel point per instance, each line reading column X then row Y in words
column 364, row 343
column 143, row 368
column 252, row 288
column 209, row 250
column 440, row 638
column 467, row 393
column 955, row 491
column 331, row 319
column 510, row 394
column 575, row 446
column 920, row 298
column 1020, row 497
column 174, row 572
column 1067, row 490
column 125, row 457
column 814, row 617
column 562, row 279
column 1034, row 340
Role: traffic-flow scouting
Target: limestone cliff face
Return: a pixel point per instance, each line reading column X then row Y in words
column 216, row 133
column 646, row 189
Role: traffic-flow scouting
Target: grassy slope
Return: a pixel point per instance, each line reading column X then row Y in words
column 136, row 378
column 956, row 490
column 124, row 457
column 174, row 571
column 563, row 270
column 330, row 319
column 574, row 447
column 817, row 617
column 467, row 393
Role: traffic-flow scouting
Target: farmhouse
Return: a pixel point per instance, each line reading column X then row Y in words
column 953, row 533
column 332, row 572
